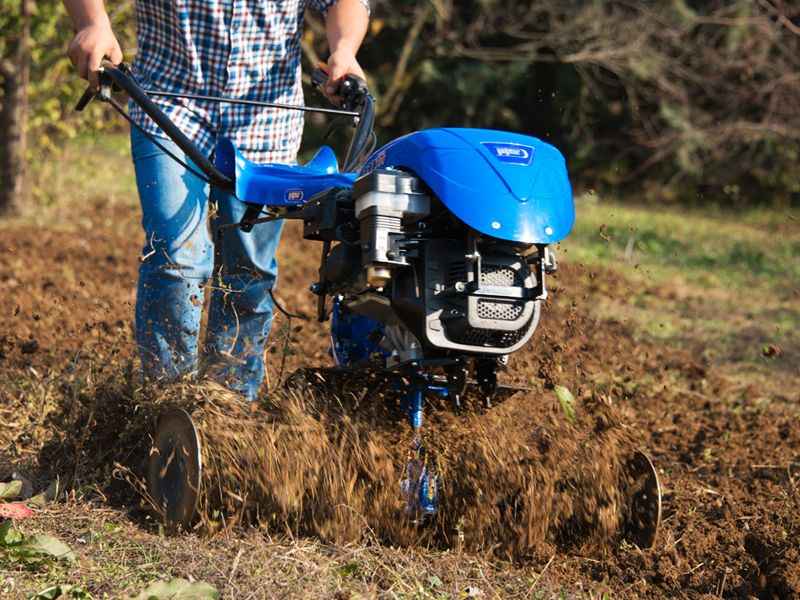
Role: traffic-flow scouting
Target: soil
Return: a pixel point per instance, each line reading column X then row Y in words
column 524, row 482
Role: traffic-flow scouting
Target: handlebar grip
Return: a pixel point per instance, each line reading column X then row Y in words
column 352, row 85
column 351, row 89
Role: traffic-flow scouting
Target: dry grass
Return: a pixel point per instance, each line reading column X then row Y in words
column 117, row 556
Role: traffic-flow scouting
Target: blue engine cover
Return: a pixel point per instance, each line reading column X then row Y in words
column 505, row 185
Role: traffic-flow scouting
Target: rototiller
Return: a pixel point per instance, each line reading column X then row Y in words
column 435, row 253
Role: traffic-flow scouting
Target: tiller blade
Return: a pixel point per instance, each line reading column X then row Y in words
column 645, row 501
column 175, row 468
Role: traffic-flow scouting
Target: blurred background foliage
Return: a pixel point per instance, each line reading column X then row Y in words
column 662, row 100
column 54, row 88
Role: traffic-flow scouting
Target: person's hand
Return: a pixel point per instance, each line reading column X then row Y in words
column 90, row 46
column 340, row 64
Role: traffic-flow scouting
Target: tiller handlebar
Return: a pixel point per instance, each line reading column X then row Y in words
column 356, row 102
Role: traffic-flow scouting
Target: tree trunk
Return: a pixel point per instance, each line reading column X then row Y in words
column 15, row 73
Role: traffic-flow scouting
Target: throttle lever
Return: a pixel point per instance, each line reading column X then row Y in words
column 319, row 77
column 87, row 97
column 104, row 90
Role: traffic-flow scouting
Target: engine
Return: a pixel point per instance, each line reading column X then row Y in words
column 430, row 285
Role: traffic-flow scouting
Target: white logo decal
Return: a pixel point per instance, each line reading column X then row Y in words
column 511, row 151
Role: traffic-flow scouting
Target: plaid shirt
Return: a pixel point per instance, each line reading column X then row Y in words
column 235, row 48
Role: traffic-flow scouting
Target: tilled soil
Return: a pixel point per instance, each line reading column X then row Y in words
column 728, row 451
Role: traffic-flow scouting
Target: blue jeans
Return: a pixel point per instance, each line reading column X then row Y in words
column 180, row 256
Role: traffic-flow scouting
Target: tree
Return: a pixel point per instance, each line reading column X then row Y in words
column 700, row 97
column 15, row 72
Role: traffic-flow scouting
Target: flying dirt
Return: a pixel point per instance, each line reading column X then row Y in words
column 517, row 479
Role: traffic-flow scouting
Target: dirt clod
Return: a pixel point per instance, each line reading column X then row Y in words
column 29, row 347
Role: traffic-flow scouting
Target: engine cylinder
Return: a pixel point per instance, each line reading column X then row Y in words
column 385, row 201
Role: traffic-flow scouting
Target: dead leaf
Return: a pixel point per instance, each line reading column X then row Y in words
column 178, row 589
column 15, row 510
column 50, row 494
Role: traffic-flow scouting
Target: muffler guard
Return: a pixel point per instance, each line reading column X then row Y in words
column 497, row 317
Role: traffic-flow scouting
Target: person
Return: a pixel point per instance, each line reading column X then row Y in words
column 247, row 49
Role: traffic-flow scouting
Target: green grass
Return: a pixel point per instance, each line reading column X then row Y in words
column 706, row 248
column 81, row 174
column 86, row 167
column 723, row 284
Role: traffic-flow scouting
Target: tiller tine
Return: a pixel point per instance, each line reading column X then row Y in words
column 420, row 486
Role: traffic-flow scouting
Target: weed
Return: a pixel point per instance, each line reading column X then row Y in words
column 30, row 551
